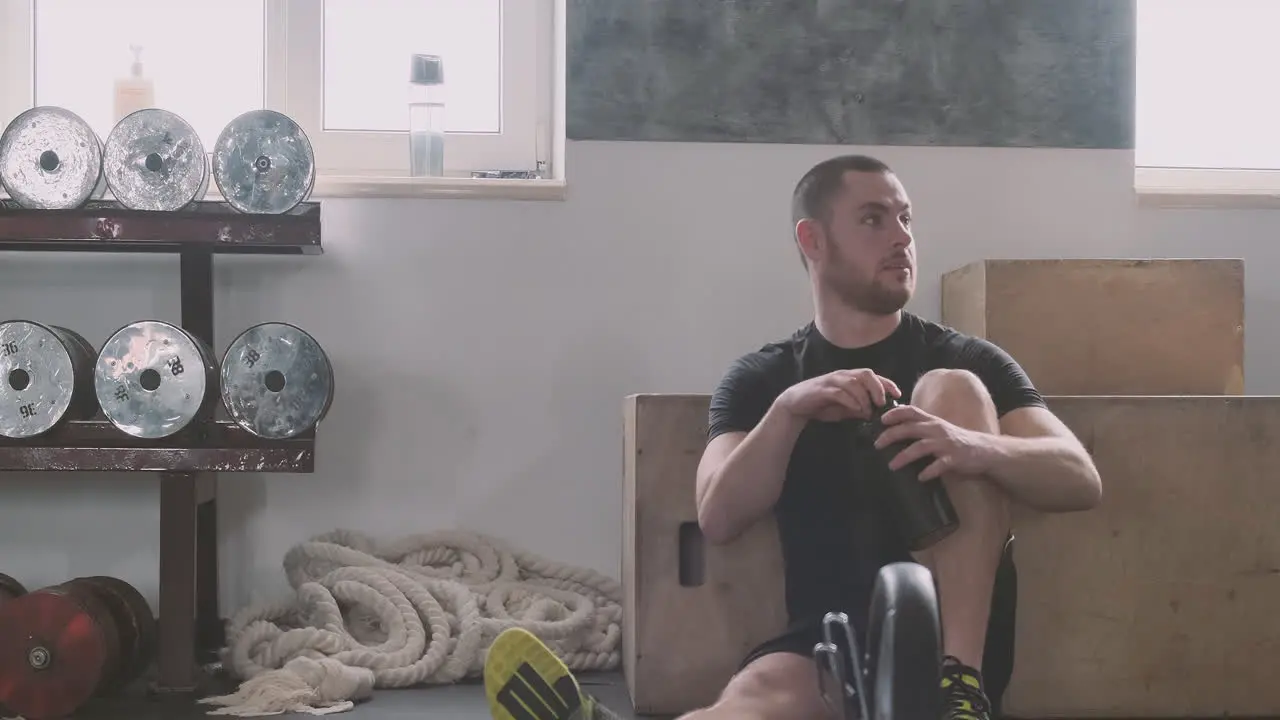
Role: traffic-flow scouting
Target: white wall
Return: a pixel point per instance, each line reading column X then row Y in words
column 483, row 349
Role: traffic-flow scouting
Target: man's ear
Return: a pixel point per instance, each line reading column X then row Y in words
column 809, row 238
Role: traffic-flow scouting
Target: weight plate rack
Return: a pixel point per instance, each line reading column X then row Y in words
column 190, row 628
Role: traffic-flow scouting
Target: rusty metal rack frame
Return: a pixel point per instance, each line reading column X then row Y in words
column 191, row 628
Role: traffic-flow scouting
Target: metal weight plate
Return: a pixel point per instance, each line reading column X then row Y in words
column 113, row 676
column 263, row 163
column 50, row 159
column 135, row 621
column 904, row 639
column 276, row 381
column 10, row 589
column 46, row 377
column 153, row 379
column 100, row 188
column 154, row 160
column 56, row 647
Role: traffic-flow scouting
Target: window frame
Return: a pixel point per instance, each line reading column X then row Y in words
column 514, row 147
column 1206, row 187
column 356, row 164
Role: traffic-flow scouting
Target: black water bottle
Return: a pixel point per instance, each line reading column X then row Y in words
column 922, row 510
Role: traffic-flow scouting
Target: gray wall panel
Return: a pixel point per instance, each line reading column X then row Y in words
column 995, row 73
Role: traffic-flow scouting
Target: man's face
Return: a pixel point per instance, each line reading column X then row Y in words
column 865, row 252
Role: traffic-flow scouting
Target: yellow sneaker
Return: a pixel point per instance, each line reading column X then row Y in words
column 963, row 692
column 525, row 680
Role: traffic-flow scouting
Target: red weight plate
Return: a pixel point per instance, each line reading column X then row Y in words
column 56, row 645
column 10, row 588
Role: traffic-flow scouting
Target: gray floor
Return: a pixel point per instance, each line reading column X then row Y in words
column 466, row 702
column 454, row 702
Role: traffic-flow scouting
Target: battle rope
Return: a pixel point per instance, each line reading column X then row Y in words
column 422, row 610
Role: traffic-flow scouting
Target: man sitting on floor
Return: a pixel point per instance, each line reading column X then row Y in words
column 777, row 443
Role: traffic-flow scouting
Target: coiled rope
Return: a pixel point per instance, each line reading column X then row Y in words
column 421, row 610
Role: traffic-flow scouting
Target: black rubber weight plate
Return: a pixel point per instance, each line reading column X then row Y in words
column 138, row 625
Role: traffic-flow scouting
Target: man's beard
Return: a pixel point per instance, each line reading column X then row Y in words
column 872, row 298
column 868, row 297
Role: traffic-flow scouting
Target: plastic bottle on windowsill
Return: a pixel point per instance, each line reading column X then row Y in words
column 134, row 92
column 426, row 116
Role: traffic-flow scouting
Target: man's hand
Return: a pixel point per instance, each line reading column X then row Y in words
column 953, row 448
column 839, row 395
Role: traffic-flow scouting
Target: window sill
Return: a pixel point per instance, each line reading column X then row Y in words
column 447, row 188
column 453, row 188
column 1190, row 188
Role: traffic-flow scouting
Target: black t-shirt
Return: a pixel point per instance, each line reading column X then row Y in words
column 834, row 533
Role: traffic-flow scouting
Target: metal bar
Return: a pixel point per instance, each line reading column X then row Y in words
column 94, row 434
column 211, row 634
column 295, row 459
column 196, row 274
column 196, row 269
column 176, row 656
column 103, row 226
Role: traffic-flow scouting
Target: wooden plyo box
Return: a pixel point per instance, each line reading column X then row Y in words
column 1108, row 327
column 1161, row 602
column 1158, row 604
column 682, row 641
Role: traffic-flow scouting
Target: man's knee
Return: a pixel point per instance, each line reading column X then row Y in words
column 778, row 686
column 958, row 396
column 961, row 398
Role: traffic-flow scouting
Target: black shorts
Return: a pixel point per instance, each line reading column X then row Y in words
column 997, row 660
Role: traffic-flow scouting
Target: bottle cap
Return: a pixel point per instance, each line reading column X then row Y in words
column 136, row 68
column 426, row 70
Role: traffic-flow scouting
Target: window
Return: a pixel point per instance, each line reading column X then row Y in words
column 178, row 63
column 340, row 68
column 1205, row 121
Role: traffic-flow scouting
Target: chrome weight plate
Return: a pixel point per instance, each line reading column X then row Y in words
column 154, row 160
column 46, row 377
column 276, row 381
column 50, row 159
column 100, row 188
column 263, row 163
column 153, row 379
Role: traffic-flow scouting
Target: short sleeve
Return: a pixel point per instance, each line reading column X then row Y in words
column 1008, row 383
column 744, row 394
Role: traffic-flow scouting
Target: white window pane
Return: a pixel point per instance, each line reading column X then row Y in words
column 1205, row 73
column 205, row 59
column 367, row 45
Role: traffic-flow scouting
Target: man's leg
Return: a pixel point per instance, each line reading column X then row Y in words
column 525, row 680
column 777, row 686
column 964, row 564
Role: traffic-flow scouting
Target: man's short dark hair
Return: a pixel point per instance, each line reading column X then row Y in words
column 813, row 193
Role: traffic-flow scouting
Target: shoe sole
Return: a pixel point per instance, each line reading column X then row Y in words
column 525, row 680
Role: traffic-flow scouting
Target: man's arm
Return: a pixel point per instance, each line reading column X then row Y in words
column 741, row 474
column 1036, row 458
column 750, row 439
column 1041, row 463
